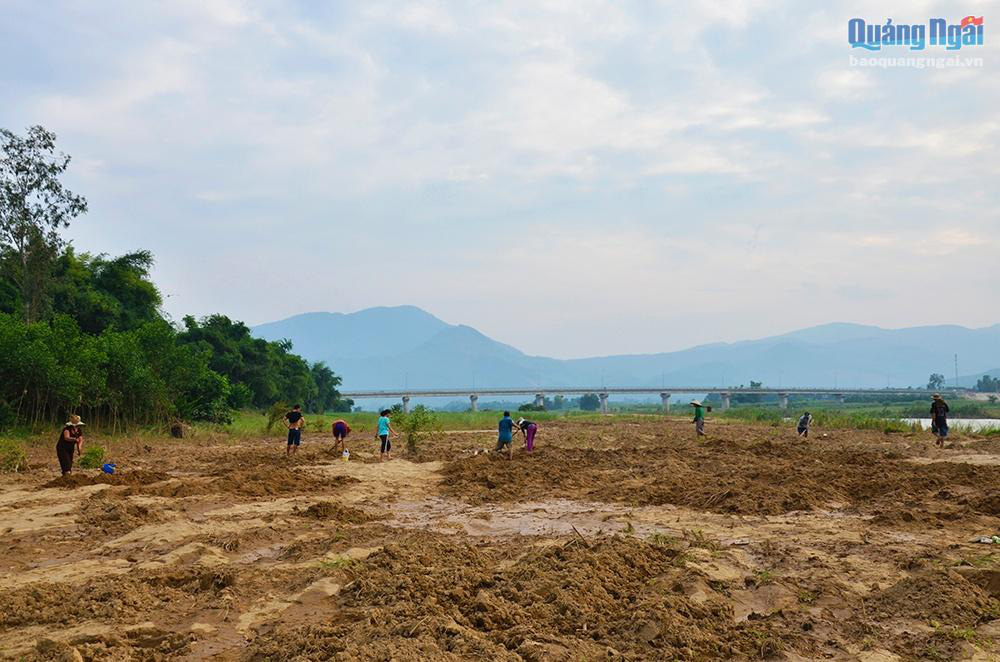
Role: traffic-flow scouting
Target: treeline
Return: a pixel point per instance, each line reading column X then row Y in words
column 85, row 333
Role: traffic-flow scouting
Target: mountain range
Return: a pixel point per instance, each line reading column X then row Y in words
column 404, row 346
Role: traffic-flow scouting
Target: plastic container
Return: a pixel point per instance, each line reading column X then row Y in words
column 346, row 455
column 108, row 467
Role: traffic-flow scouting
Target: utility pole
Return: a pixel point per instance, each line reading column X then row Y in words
column 956, row 372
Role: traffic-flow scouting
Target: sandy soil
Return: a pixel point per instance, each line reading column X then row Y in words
column 615, row 540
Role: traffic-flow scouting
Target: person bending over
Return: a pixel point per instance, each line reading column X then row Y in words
column 527, row 430
column 340, row 430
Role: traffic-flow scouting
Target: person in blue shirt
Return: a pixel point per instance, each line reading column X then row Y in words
column 384, row 431
column 506, row 436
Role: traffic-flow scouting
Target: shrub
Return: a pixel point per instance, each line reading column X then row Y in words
column 13, row 458
column 275, row 414
column 92, row 458
column 416, row 426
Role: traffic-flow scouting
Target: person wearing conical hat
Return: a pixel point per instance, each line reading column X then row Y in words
column 699, row 417
column 70, row 443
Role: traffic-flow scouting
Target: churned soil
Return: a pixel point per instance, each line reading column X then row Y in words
column 621, row 539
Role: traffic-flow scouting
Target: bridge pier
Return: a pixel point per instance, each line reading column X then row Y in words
column 406, row 404
column 604, row 402
column 725, row 401
column 473, row 402
column 665, row 397
column 783, row 401
column 539, row 399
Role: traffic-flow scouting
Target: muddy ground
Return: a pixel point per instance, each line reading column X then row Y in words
column 618, row 540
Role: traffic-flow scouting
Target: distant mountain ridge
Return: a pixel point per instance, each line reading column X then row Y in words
column 404, row 346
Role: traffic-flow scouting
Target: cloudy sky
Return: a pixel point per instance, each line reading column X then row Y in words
column 571, row 177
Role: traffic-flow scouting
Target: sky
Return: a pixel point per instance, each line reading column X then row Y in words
column 574, row 178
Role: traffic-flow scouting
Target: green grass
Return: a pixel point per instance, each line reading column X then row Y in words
column 13, row 457
column 248, row 424
column 822, row 418
column 93, row 457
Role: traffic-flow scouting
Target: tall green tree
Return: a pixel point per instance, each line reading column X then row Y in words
column 34, row 206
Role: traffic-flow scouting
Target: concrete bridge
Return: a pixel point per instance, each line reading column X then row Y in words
column 604, row 392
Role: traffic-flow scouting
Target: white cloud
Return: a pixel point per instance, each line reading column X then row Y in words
column 686, row 157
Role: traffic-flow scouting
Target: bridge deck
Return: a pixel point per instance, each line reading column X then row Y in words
column 610, row 390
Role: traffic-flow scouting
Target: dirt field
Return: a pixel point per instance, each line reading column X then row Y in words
column 615, row 540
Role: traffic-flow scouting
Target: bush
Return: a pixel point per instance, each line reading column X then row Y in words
column 92, row 458
column 275, row 414
column 13, row 458
column 416, row 425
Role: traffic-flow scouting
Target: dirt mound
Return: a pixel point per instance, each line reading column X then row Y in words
column 119, row 599
column 761, row 478
column 435, row 598
column 329, row 510
column 942, row 596
column 136, row 477
column 988, row 504
column 150, row 644
column 275, row 481
column 101, row 515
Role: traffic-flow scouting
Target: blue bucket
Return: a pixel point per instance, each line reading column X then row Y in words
column 108, row 467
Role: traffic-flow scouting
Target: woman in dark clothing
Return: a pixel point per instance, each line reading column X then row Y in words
column 939, row 418
column 70, row 442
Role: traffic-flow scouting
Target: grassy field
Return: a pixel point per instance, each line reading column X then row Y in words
column 252, row 424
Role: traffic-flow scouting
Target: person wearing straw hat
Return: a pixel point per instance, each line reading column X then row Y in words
column 70, row 442
column 699, row 417
column 939, row 418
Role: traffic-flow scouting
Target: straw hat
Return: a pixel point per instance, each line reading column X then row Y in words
column 696, row 403
column 936, row 396
column 76, row 422
column 520, row 420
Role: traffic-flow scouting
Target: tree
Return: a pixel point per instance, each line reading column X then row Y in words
column 987, row 384
column 34, row 206
column 749, row 398
column 415, row 425
column 935, row 381
column 590, row 402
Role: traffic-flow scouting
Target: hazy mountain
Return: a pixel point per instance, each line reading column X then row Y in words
column 405, row 346
column 378, row 331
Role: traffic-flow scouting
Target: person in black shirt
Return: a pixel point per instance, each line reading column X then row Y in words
column 528, row 430
column 70, row 442
column 939, row 418
column 294, row 421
